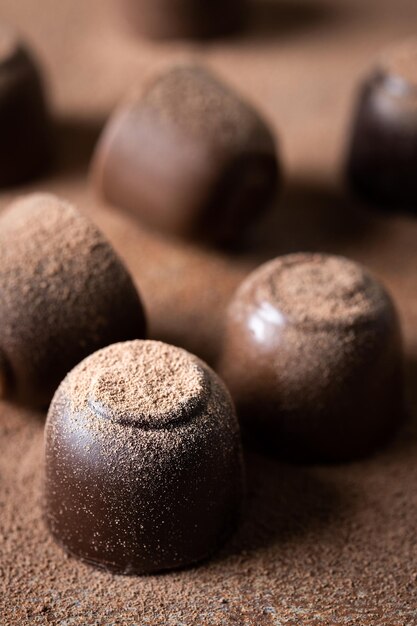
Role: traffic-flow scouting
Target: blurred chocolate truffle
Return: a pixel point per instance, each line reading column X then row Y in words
column 382, row 159
column 25, row 142
column 185, row 19
column 64, row 294
column 313, row 358
column 142, row 459
column 189, row 157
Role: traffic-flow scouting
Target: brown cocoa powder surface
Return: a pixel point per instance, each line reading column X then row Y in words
column 318, row 545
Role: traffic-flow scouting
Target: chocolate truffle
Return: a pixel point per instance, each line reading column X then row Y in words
column 64, row 294
column 24, row 122
column 189, row 157
column 313, row 358
column 382, row 160
column 142, row 459
column 193, row 19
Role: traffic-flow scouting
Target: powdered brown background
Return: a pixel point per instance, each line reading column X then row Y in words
column 319, row 545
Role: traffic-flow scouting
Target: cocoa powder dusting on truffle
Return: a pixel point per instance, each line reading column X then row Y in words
column 194, row 101
column 320, row 290
column 160, row 383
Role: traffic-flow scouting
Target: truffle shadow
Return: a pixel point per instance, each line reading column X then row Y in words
column 283, row 502
column 75, row 140
column 407, row 435
column 310, row 216
column 269, row 19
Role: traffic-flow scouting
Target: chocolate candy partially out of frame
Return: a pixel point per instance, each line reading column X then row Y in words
column 382, row 159
column 64, row 294
column 143, row 463
column 189, row 157
column 25, row 129
column 313, row 358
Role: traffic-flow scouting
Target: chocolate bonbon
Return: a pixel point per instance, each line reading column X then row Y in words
column 382, row 158
column 189, row 157
column 142, row 459
column 25, row 136
column 64, row 294
column 192, row 19
column 313, row 358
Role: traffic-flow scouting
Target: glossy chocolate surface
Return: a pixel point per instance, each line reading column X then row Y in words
column 143, row 459
column 189, row 157
column 382, row 160
column 25, row 141
column 64, row 294
column 192, row 19
column 312, row 356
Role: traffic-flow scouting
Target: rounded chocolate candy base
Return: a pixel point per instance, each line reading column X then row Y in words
column 313, row 358
column 142, row 459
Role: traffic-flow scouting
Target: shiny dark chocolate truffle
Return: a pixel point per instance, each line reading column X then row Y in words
column 192, row 19
column 313, row 358
column 189, row 157
column 382, row 160
column 24, row 123
column 63, row 294
column 142, row 459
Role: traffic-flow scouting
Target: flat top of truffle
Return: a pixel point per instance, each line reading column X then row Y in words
column 193, row 99
column 147, row 384
column 319, row 290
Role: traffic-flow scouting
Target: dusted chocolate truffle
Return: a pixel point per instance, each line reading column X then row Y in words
column 63, row 294
column 382, row 161
column 143, row 459
column 24, row 123
column 188, row 157
column 194, row 19
column 313, row 358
